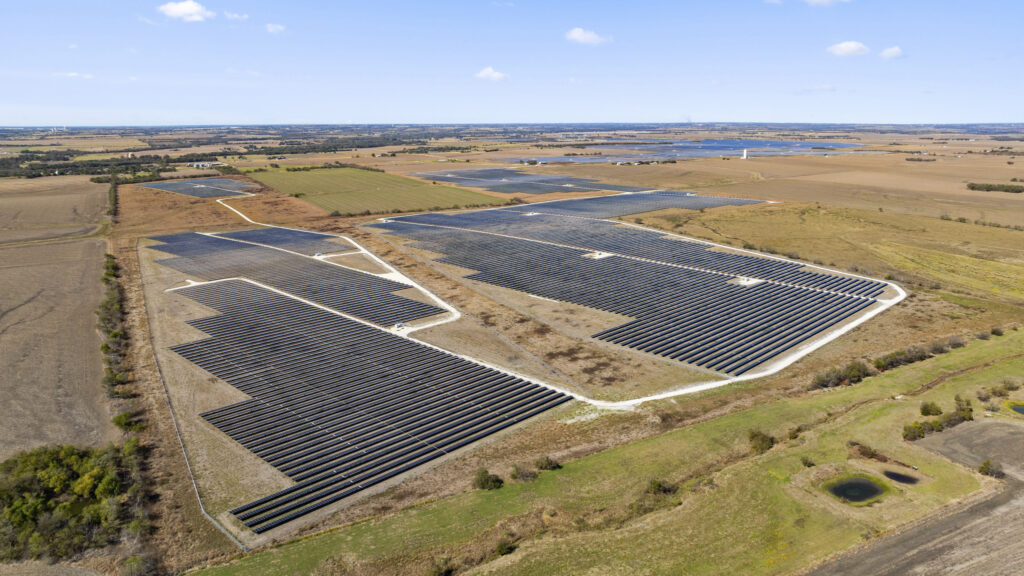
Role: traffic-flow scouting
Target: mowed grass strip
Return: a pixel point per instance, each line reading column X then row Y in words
column 765, row 514
column 351, row 191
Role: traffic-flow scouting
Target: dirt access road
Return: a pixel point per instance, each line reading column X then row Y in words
column 981, row 538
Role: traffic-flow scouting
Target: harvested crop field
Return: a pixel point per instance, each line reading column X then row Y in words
column 41, row 208
column 49, row 346
column 355, row 191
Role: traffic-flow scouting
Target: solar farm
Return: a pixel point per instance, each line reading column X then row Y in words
column 688, row 301
column 509, row 181
column 337, row 402
column 204, row 187
column 337, row 405
column 340, row 396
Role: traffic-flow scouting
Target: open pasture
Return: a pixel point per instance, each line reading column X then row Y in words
column 355, row 191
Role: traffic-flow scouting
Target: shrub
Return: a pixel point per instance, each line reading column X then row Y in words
column 806, row 461
column 852, row 373
column 930, row 409
column 484, row 480
column 989, row 468
column 522, row 474
column 956, row 342
column 546, row 463
column 900, row 358
column 1011, row 384
column 335, row 213
column 983, row 394
column 997, row 331
column 982, row 336
column 504, row 547
column 760, row 442
column 1000, row 391
column 938, row 347
column 656, row 487
column 124, row 421
column 993, row 407
column 913, row 431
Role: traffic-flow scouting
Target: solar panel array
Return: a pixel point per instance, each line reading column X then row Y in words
column 337, row 405
column 301, row 241
column 634, row 203
column 614, row 238
column 684, row 297
column 512, row 181
column 348, row 291
column 203, row 187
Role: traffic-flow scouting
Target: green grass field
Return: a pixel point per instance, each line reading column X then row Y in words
column 733, row 514
column 352, row 191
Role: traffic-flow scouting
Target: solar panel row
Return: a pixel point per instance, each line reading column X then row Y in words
column 609, row 237
column 511, row 181
column 337, row 405
column 623, row 204
column 203, row 187
column 695, row 316
column 348, row 291
column 301, row 241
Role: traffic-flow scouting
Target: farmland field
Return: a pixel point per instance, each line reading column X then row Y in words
column 354, row 191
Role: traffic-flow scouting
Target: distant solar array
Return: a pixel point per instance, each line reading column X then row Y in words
column 689, row 301
column 518, row 182
column 348, row 291
column 301, row 241
column 203, row 187
column 623, row 204
column 337, row 405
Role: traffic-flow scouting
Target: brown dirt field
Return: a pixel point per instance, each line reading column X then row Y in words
column 49, row 346
column 359, row 262
column 52, row 207
column 980, row 537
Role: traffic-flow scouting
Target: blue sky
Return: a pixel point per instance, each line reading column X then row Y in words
column 229, row 61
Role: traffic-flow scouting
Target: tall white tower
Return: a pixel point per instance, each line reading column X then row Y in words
column 744, row 153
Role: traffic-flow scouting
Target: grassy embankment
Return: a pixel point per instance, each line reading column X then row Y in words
column 351, row 191
column 732, row 512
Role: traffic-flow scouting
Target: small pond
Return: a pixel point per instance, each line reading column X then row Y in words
column 1018, row 408
column 855, row 489
column 901, row 478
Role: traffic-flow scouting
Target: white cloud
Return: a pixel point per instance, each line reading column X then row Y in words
column 584, row 36
column 235, row 16
column 187, row 10
column 275, row 28
column 491, row 74
column 825, row 2
column 892, row 52
column 773, row 1
column 72, row 46
column 849, row 48
column 81, row 75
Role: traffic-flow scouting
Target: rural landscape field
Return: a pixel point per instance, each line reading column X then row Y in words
column 514, row 309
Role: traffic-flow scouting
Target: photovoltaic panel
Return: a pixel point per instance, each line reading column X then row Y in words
column 685, row 298
column 337, row 405
column 632, row 203
column 301, row 241
column 359, row 294
column 202, row 187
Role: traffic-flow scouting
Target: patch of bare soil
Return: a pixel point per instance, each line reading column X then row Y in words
column 51, row 207
column 50, row 348
column 360, row 262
